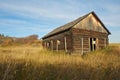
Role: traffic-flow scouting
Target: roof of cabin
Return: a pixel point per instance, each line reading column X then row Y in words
column 71, row 24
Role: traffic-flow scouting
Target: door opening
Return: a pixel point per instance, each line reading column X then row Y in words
column 91, row 47
column 92, row 44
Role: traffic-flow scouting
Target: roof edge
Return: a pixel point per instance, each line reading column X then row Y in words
column 74, row 22
column 101, row 22
column 55, row 33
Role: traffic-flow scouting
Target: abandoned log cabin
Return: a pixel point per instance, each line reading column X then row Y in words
column 82, row 35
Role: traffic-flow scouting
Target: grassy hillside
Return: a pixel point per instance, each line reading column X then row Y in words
column 36, row 63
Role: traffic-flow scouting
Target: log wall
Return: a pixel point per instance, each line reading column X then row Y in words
column 60, row 38
column 80, row 46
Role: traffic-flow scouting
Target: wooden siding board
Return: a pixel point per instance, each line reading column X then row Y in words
column 86, row 34
column 60, row 37
column 78, row 35
column 90, row 23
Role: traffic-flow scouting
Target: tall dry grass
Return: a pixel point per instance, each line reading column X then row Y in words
column 36, row 63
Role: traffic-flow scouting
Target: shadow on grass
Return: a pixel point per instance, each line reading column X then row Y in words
column 30, row 71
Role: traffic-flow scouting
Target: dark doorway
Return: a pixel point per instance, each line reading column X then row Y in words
column 91, row 47
column 92, row 44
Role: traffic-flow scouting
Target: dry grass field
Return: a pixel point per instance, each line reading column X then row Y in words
column 35, row 63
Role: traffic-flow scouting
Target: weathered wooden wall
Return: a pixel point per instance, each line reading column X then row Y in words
column 79, row 34
column 83, row 37
column 52, row 41
column 74, row 39
column 90, row 23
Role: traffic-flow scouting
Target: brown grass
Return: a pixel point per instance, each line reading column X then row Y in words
column 36, row 63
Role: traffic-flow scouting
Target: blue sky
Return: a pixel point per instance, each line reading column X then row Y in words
column 20, row 18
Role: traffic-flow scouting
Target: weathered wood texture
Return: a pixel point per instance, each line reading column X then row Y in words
column 82, row 35
column 78, row 34
column 74, row 40
column 61, row 38
column 90, row 23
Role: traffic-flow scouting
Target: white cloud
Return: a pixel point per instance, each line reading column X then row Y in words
column 12, row 22
column 38, row 29
column 56, row 11
column 63, row 11
column 60, row 11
